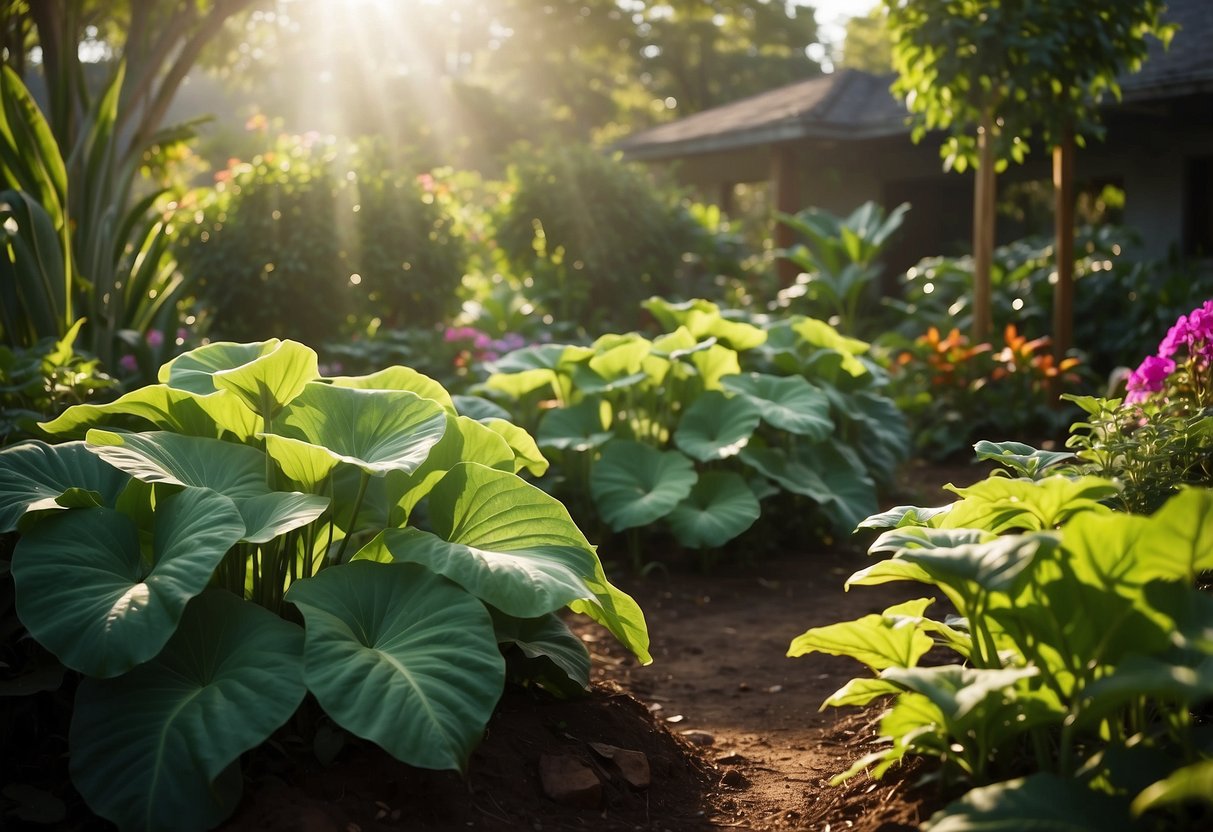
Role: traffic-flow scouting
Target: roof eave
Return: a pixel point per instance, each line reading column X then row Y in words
column 761, row 136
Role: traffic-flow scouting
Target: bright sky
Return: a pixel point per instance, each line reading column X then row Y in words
column 832, row 14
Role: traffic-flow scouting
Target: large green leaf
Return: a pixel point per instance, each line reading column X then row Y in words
column 400, row 378
column 34, row 475
column 402, row 657
column 1193, row 782
column 1001, row 504
column 957, row 690
column 635, row 484
column 716, row 426
column 159, row 747
column 195, row 370
column 1042, row 802
column 86, row 592
column 1180, row 542
column 527, row 455
column 165, row 408
column 787, row 402
column 703, row 319
column 553, row 655
column 995, row 566
column 267, row 516
column 376, row 430
column 525, row 583
column 271, row 380
column 879, row 640
column 852, row 493
column 719, row 507
column 579, row 428
column 475, row 506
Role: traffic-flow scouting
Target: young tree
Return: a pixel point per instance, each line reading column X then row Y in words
column 997, row 73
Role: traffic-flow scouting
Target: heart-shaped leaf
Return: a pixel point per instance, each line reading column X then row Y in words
column 719, row 507
column 233, row 470
column 34, row 475
column 400, row 378
column 274, row 378
column 375, row 430
column 86, row 593
column 159, row 747
column 579, row 428
column 716, row 426
column 635, row 484
column 268, row 515
column 787, row 402
column 195, row 370
column 402, row 657
column 525, row 583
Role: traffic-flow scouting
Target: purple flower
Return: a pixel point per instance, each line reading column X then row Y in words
column 1148, row 378
column 128, row 364
column 155, row 338
column 460, row 333
column 1177, row 336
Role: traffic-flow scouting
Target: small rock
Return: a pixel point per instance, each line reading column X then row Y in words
column 633, row 766
column 697, row 737
column 569, row 781
column 742, row 686
column 676, row 718
column 774, row 688
column 734, row 779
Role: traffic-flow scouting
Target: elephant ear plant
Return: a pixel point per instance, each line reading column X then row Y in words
column 246, row 532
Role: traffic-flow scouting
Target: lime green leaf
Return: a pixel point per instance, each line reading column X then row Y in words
column 35, row 475
column 1180, row 540
column 375, row 430
column 402, row 657
column 716, row 426
column 165, row 408
column 194, row 371
column 1002, row 504
column 85, row 591
column 719, row 507
column 859, row 691
column 889, row 571
column 268, row 515
column 635, row 484
column 957, row 690
column 267, row 383
column 150, row 749
column 618, row 612
column 1193, row 782
column 879, row 640
column 527, row 455
column 400, row 378
column 995, row 566
column 787, row 402
column 899, row 516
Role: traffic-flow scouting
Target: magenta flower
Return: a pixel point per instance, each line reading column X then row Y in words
column 155, row 338
column 1149, row 378
column 128, row 364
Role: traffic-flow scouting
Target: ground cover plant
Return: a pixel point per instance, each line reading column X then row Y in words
column 247, row 532
column 1087, row 720
column 690, row 430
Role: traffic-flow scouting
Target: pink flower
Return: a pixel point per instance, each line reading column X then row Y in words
column 128, row 364
column 1148, row 378
column 1177, row 336
column 155, row 338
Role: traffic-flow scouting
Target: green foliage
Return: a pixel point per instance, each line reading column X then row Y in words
column 839, row 261
column 1093, row 707
column 44, row 380
column 596, row 237
column 1041, row 70
column 165, row 561
column 308, row 242
column 691, row 429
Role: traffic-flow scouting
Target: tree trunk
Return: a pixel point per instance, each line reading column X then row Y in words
column 983, row 230
column 1063, row 290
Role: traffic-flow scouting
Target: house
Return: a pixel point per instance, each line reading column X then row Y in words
column 838, row 140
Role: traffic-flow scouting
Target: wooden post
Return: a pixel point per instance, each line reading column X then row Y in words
column 785, row 179
column 725, row 198
column 1063, row 291
column 983, row 230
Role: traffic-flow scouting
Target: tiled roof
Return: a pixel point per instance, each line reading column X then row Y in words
column 852, row 105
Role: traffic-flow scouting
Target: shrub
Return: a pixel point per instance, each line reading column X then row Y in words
column 308, row 242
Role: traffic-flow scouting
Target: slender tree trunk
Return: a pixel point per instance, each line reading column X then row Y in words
column 1063, row 290
column 983, row 229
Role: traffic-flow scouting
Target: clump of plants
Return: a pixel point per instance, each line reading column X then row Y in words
column 248, row 531
column 953, row 390
column 1159, row 436
column 690, row 431
column 1076, row 652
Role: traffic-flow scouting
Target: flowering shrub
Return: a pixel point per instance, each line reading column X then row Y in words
column 1157, row 437
column 954, row 390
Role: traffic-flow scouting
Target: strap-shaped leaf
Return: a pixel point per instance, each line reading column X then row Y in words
column 34, row 475
column 716, row 426
column 787, row 402
column 525, row 583
column 159, row 747
column 402, row 657
column 85, row 591
column 635, row 484
column 719, row 507
column 376, row 430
